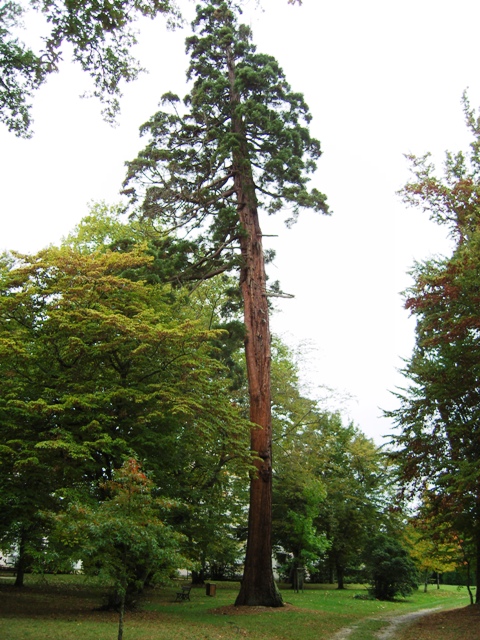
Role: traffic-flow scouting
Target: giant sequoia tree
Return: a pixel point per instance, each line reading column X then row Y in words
column 238, row 143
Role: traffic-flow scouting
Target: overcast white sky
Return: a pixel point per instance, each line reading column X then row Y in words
column 381, row 79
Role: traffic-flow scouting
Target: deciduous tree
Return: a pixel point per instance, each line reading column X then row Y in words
column 433, row 548
column 354, row 475
column 124, row 538
column 298, row 490
column 330, row 483
column 436, row 446
column 97, row 365
column 100, row 34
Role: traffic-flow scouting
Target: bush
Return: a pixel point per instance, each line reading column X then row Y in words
column 391, row 570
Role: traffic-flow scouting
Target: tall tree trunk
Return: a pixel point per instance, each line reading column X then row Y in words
column 22, row 559
column 258, row 586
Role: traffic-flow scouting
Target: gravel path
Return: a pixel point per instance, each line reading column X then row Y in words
column 393, row 623
column 343, row 634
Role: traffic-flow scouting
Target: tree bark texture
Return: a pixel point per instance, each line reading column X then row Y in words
column 258, row 586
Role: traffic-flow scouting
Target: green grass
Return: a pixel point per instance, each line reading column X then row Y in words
column 64, row 608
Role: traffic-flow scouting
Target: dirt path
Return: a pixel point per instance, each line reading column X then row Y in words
column 397, row 621
column 393, row 623
column 343, row 634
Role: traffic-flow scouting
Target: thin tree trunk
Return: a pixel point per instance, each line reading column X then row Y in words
column 121, row 615
column 22, row 560
column 340, row 576
column 198, row 577
column 258, row 586
column 477, row 568
column 331, row 568
column 468, row 582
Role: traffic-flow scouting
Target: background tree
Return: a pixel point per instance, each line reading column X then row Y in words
column 330, row 491
column 355, row 478
column 239, row 143
column 298, row 491
column 207, row 478
column 433, row 549
column 97, row 366
column 329, row 469
column 392, row 572
column 296, row 498
column 122, row 533
column 100, row 34
column 436, row 448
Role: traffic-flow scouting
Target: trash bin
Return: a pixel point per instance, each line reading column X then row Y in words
column 211, row 589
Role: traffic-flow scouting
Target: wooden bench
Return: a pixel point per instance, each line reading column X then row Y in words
column 184, row 594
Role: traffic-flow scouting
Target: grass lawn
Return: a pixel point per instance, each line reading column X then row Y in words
column 66, row 608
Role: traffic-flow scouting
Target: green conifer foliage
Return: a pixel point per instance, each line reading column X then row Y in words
column 238, row 143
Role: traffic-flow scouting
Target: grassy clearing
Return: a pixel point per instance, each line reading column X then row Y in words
column 65, row 608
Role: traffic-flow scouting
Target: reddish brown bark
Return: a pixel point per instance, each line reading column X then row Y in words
column 258, row 585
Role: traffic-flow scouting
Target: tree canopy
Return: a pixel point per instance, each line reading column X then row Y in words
column 98, row 366
column 185, row 176
column 100, row 34
column 436, row 447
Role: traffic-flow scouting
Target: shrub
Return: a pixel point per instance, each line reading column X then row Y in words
column 391, row 570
